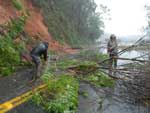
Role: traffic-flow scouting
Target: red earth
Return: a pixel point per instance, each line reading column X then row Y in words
column 34, row 26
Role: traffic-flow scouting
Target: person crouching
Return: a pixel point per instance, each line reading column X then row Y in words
column 36, row 55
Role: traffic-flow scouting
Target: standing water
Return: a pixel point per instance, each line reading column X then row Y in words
column 120, row 99
column 127, row 54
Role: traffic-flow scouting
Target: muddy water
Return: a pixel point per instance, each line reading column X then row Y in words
column 127, row 54
column 121, row 99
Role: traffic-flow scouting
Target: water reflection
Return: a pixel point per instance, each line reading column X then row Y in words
column 127, row 54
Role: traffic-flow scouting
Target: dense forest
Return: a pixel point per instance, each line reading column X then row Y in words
column 74, row 22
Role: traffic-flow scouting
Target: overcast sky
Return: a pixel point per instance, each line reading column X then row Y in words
column 127, row 16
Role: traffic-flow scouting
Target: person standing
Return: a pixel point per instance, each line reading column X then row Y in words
column 112, row 50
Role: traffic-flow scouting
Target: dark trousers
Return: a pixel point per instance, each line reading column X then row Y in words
column 112, row 63
column 38, row 65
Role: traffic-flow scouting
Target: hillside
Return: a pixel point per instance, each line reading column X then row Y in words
column 24, row 23
column 34, row 25
column 21, row 27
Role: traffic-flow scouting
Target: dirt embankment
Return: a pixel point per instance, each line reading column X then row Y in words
column 34, row 26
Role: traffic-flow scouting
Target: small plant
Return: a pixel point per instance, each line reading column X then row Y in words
column 17, row 4
column 84, row 94
column 16, row 26
column 101, row 100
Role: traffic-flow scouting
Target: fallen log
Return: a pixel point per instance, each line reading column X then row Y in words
column 120, row 58
column 132, row 46
column 132, row 59
column 75, row 70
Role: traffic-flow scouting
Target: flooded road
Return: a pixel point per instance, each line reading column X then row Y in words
column 121, row 99
column 127, row 54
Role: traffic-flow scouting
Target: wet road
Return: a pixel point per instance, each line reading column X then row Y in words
column 89, row 101
column 119, row 99
column 27, row 108
column 15, row 85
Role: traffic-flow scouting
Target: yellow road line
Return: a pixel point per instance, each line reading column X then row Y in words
column 7, row 106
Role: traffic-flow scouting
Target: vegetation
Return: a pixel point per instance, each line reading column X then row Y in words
column 61, row 95
column 9, row 56
column 84, row 59
column 9, row 51
column 16, row 26
column 86, row 70
column 98, row 78
column 74, row 22
column 17, row 4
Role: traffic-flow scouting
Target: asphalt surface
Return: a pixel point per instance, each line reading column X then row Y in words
column 16, row 84
column 27, row 108
column 93, row 101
